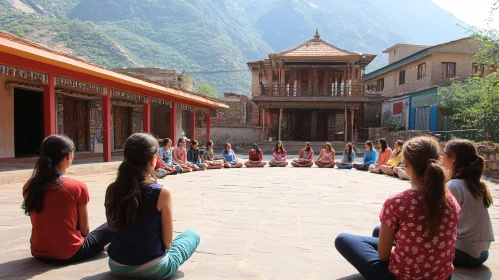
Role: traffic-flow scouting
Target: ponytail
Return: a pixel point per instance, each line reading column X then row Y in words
column 53, row 150
column 434, row 196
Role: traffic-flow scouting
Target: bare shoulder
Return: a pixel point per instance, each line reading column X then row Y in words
column 164, row 199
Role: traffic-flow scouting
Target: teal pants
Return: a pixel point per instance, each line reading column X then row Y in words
column 183, row 246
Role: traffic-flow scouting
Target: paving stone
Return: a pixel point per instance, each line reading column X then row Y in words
column 270, row 223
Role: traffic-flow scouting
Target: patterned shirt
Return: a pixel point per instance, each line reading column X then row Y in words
column 166, row 155
column 414, row 257
column 208, row 155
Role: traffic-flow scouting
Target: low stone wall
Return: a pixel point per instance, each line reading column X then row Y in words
column 491, row 157
column 489, row 153
column 240, row 136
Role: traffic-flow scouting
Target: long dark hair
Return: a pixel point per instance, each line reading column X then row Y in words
column 308, row 147
column 370, row 144
column 209, row 143
column 282, row 147
column 193, row 151
column 469, row 167
column 384, row 144
column 165, row 141
column 422, row 154
column 52, row 151
column 349, row 151
column 401, row 144
column 124, row 195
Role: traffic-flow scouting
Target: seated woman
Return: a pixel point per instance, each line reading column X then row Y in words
column 395, row 159
column 370, row 156
column 209, row 157
column 422, row 221
column 139, row 213
column 57, row 208
column 326, row 157
column 193, row 156
column 255, row 157
column 229, row 157
column 348, row 158
column 474, row 233
column 305, row 157
column 166, row 159
column 278, row 156
column 400, row 172
column 383, row 156
column 180, row 157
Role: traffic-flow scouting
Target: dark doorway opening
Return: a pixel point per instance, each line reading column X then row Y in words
column 28, row 122
column 321, row 126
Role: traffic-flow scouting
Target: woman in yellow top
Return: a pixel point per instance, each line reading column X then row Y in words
column 395, row 160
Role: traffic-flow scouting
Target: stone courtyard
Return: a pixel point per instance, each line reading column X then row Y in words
column 254, row 224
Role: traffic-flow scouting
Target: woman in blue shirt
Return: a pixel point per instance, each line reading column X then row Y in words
column 348, row 158
column 230, row 160
column 370, row 157
column 140, row 217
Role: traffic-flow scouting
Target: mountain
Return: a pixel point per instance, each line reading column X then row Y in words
column 211, row 40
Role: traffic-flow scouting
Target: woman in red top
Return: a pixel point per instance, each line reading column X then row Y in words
column 422, row 221
column 278, row 156
column 255, row 157
column 57, row 207
column 305, row 159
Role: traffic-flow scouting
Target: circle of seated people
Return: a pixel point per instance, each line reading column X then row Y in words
column 419, row 237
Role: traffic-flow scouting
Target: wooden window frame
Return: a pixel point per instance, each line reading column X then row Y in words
column 445, row 70
column 380, row 84
column 402, row 77
column 421, row 71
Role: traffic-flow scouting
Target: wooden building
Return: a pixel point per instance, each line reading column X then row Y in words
column 313, row 92
column 45, row 92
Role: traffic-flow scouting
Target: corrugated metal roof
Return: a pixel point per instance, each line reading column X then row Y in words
column 397, row 64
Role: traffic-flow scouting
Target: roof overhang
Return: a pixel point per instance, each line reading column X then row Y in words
column 32, row 52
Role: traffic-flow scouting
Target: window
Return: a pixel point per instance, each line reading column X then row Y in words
column 398, row 108
column 448, row 69
column 421, row 71
column 402, row 77
column 478, row 69
column 380, row 84
column 214, row 113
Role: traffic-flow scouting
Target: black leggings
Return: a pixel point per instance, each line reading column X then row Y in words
column 362, row 166
column 93, row 244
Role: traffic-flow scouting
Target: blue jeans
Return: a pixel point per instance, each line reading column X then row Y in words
column 345, row 166
column 362, row 253
column 462, row 259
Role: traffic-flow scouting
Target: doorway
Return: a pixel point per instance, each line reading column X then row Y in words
column 28, row 123
column 122, row 126
column 321, row 126
column 76, row 122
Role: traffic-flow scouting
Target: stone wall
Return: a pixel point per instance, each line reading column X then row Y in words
column 376, row 133
column 239, row 136
column 491, row 157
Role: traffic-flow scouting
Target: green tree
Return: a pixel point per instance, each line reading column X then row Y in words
column 205, row 89
column 474, row 103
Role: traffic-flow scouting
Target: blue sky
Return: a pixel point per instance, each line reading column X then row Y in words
column 471, row 11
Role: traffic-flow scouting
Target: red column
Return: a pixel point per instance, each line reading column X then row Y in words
column 193, row 124
column 208, row 126
column 345, row 134
column 49, row 107
column 352, row 112
column 147, row 116
column 173, row 122
column 106, row 125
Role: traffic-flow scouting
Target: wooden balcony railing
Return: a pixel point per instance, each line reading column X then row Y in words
column 316, row 91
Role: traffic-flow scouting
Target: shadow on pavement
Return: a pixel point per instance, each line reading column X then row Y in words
column 109, row 276
column 28, row 268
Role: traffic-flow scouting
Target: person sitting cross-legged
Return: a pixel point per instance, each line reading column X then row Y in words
column 194, row 157
column 400, row 172
column 229, row 157
column 255, row 157
column 139, row 212
column 278, row 156
column 209, row 157
column 370, row 156
column 326, row 157
column 180, row 157
column 422, row 222
column 383, row 156
column 348, row 158
column 305, row 157
column 165, row 161
column 58, row 208
column 395, row 159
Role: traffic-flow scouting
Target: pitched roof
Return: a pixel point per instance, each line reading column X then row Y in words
column 314, row 48
column 19, row 46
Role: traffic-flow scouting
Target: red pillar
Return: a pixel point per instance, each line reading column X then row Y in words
column 193, row 124
column 352, row 125
column 106, row 125
column 208, row 126
column 173, row 122
column 49, row 107
column 147, row 116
